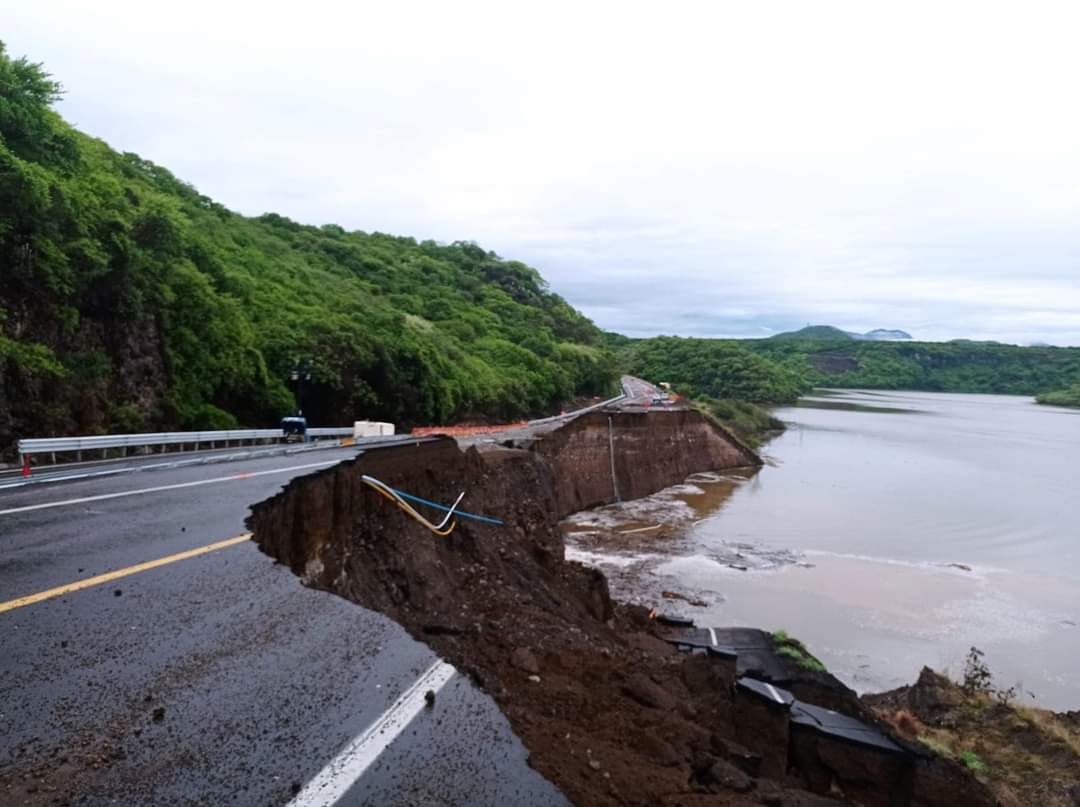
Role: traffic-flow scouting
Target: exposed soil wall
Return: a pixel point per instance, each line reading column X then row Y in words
column 340, row 535
column 111, row 360
column 649, row 451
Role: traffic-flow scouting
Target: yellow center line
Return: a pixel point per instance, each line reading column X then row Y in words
column 89, row 582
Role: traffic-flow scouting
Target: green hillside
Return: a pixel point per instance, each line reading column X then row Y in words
column 931, row 366
column 131, row 301
column 777, row 370
column 712, row 368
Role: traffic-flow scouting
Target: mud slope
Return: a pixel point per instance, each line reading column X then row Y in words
column 647, row 450
column 610, row 712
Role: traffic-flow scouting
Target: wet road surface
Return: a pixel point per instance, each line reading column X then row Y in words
column 216, row 678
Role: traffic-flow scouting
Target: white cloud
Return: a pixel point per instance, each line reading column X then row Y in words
column 708, row 168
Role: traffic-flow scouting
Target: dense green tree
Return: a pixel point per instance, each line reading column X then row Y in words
column 1062, row 397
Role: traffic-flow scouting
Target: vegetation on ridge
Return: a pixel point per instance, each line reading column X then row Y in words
column 1061, row 397
column 724, row 378
column 712, row 368
column 131, row 301
column 930, row 366
column 752, row 422
column 791, row 648
column 777, row 370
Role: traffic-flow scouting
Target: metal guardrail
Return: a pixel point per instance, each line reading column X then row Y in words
column 578, row 412
column 178, row 459
column 57, row 445
column 331, row 431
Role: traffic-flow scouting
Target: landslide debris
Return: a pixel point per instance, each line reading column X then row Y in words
column 610, row 711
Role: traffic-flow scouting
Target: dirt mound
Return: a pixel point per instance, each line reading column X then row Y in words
column 1025, row 756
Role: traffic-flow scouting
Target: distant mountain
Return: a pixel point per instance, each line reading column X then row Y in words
column 884, row 335
column 814, row 332
column 830, row 332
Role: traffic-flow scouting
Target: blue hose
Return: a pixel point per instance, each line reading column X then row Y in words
column 445, row 509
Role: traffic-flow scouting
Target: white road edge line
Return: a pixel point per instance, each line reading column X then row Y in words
column 218, row 458
column 159, row 488
column 712, row 636
column 333, row 782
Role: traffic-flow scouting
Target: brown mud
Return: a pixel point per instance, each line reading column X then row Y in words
column 610, row 712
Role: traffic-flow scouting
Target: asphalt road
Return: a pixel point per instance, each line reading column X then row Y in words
column 639, row 392
column 216, row 678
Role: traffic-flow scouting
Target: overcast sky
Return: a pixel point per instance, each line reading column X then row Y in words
column 713, row 169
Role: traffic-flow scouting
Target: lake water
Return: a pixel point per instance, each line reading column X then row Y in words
column 888, row 530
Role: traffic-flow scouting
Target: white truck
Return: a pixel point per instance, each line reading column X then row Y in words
column 372, row 428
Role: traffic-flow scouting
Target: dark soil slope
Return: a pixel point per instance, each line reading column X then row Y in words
column 609, row 710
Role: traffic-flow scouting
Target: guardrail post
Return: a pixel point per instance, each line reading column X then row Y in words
column 26, row 465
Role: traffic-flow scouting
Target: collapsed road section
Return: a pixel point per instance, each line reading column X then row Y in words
column 614, row 707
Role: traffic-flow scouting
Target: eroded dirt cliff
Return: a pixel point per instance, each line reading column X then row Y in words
column 610, row 711
column 646, row 451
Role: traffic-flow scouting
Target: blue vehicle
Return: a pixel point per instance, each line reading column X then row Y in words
column 294, row 429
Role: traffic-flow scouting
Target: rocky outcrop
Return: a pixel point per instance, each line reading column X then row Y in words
column 116, row 376
column 1022, row 754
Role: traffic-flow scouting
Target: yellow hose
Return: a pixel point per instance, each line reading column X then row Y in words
column 405, row 506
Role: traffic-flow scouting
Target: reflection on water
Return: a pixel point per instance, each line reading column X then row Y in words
column 884, row 538
column 831, row 402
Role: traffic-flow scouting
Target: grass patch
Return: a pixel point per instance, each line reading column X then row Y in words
column 795, row 650
column 973, row 761
column 935, row 745
column 1048, row 724
column 752, row 422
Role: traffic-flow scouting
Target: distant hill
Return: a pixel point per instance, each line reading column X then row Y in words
column 885, row 335
column 831, row 332
column 814, row 332
column 959, row 366
column 720, row 368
